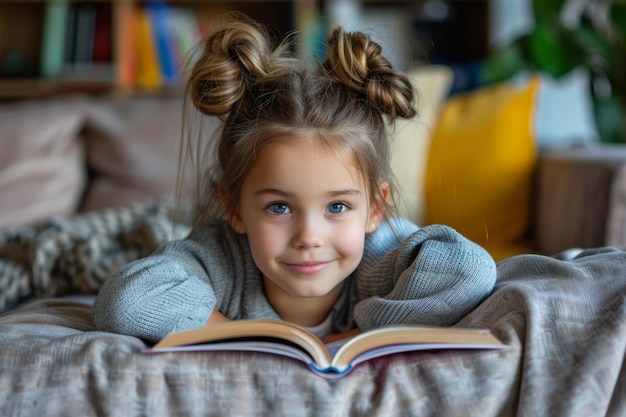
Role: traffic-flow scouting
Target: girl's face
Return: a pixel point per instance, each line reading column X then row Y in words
column 306, row 212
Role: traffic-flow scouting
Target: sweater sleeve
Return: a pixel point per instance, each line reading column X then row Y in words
column 171, row 290
column 435, row 277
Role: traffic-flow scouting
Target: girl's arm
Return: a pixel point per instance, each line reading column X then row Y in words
column 154, row 296
column 176, row 288
column 435, row 277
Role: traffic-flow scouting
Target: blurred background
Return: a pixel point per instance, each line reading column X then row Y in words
column 52, row 47
column 491, row 41
column 517, row 100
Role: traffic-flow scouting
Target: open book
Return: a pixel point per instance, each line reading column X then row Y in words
column 332, row 360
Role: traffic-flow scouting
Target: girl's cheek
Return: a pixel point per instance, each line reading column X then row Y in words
column 266, row 239
column 352, row 239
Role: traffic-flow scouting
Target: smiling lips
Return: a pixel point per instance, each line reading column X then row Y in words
column 307, row 268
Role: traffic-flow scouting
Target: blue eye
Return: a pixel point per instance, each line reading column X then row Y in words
column 279, row 208
column 336, row 208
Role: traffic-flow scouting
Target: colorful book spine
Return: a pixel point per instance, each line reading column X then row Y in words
column 102, row 34
column 85, row 29
column 152, row 44
column 70, row 34
column 186, row 33
column 126, row 47
column 53, row 40
column 312, row 35
column 88, row 44
column 159, row 15
column 148, row 68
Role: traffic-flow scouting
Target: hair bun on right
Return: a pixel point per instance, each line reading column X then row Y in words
column 357, row 61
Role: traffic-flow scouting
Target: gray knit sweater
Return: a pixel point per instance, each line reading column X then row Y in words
column 431, row 275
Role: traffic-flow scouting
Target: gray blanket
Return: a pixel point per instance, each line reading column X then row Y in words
column 564, row 323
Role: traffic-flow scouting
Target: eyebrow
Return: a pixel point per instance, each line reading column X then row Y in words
column 334, row 193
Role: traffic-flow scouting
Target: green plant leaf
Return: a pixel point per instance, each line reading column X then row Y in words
column 594, row 49
column 552, row 50
column 503, row 63
column 617, row 17
column 609, row 117
column 616, row 70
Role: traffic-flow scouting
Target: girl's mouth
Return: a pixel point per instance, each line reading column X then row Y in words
column 308, row 268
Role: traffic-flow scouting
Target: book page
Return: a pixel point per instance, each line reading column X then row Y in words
column 249, row 329
column 391, row 339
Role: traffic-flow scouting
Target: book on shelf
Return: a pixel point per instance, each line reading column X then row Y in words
column 151, row 41
column 70, row 33
column 175, row 32
column 69, row 53
column 148, row 68
column 168, row 57
column 56, row 15
column 125, row 44
column 312, row 33
column 83, row 41
column 332, row 360
column 187, row 33
column 103, row 35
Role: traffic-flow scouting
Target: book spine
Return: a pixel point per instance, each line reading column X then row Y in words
column 79, row 60
column 70, row 35
column 85, row 24
column 152, row 43
column 126, row 47
column 102, row 35
column 311, row 32
column 159, row 15
column 186, row 30
column 148, row 71
column 53, row 40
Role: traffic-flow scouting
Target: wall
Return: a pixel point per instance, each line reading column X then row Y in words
column 564, row 116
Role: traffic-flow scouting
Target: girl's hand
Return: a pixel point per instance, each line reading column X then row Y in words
column 339, row 336
column 215, row 318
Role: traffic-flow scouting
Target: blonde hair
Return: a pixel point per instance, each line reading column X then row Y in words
column 262, row 95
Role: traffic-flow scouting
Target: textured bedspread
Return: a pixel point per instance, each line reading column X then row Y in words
column 564, row 323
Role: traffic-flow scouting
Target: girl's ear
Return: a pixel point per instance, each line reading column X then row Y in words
column 377, row 208
column 236, row 222
column 233, row 217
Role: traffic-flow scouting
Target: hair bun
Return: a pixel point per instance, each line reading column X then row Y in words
column 235, row 55
column 357, row 61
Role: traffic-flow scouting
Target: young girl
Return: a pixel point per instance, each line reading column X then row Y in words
column 305, row 186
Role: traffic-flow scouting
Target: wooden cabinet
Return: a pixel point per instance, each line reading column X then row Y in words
column 52, row 47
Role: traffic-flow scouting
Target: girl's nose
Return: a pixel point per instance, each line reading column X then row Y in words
column 308, row 233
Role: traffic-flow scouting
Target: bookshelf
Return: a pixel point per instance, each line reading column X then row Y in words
column 50, row 47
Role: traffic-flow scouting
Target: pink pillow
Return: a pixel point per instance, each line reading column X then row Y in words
column 132, row 149
column 42, row 171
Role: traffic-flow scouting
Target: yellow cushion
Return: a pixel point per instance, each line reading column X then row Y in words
column 480, row 164
column 503, row 250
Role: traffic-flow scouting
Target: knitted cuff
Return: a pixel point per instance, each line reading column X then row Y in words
column 435, row 277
